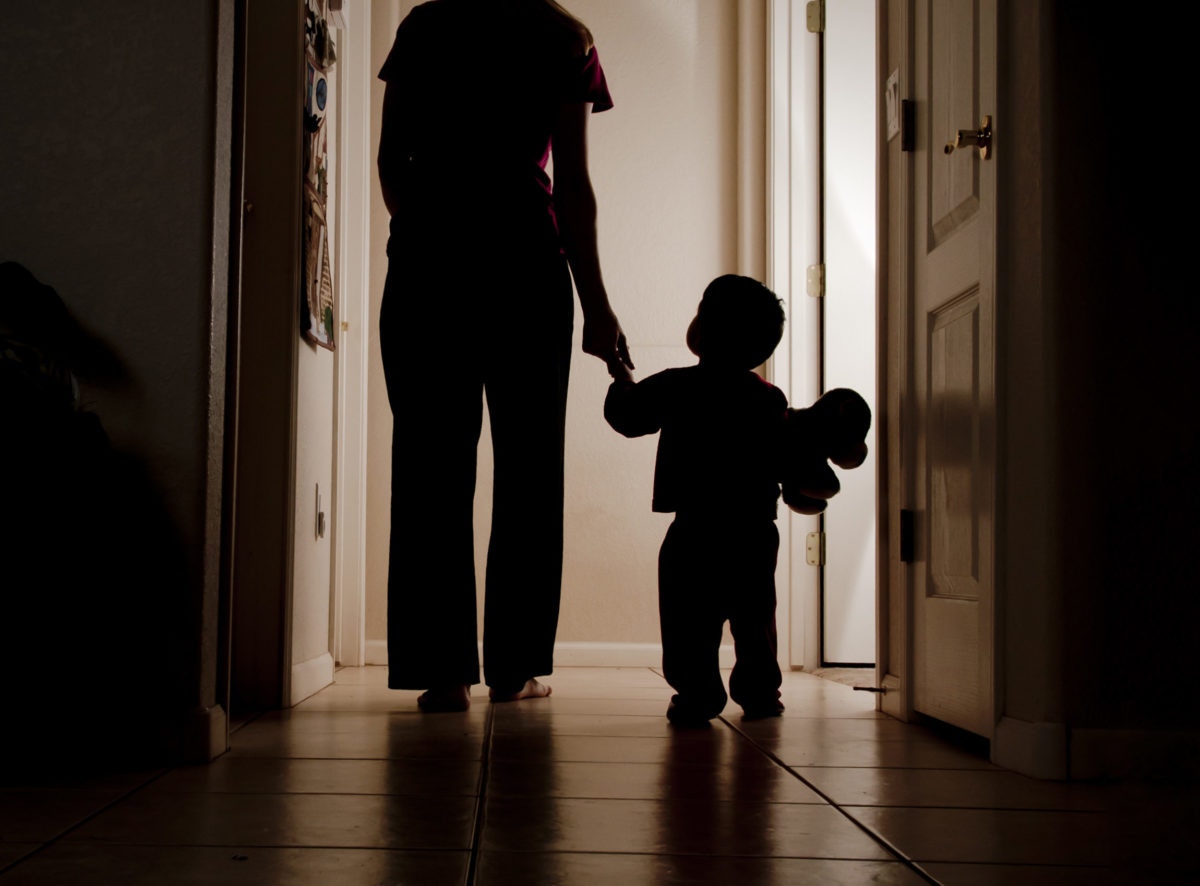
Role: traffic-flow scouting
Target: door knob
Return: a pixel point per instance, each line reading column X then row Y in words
column 980, row 138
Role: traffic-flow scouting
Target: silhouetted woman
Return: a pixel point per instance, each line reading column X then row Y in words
column 480, row 94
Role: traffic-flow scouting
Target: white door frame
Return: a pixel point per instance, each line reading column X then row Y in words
column 354, row 183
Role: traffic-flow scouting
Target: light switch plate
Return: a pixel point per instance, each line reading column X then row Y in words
column 891, row 94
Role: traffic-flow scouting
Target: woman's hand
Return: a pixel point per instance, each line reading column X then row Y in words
column 603, row 338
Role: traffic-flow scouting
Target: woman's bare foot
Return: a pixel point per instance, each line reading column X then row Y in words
column 445, row 699
column 531, row 689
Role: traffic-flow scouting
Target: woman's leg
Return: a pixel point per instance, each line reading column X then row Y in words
column 526, row 383
column 437, row 415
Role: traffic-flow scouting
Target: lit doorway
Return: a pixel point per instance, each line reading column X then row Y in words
column 823, row 223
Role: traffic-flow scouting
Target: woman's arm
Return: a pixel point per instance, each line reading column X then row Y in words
column 575, row 208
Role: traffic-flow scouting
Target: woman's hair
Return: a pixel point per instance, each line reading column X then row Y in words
column 564, row 18
column 546, row 18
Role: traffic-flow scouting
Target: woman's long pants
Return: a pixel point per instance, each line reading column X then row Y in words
column 455, row 327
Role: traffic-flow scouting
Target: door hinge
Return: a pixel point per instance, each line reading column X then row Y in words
column 908, row 125
column 815, row 280
column 814, row 14
column 814, row 549
column 908, row 520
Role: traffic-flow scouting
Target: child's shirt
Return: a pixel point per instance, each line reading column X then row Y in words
column 718, row 430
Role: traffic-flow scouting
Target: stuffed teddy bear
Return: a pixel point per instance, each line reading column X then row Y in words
column 833, row 429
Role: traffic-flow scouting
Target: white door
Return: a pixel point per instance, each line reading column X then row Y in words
column 848, row 348
column 953, row 372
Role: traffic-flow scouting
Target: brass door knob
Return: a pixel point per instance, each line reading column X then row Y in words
column 980, row 138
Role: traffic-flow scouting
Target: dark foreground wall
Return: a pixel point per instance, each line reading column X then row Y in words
column 111, row 156
column 1129, row 322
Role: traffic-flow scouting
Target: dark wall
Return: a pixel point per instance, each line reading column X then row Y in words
column 1124, row 198
column 110, row 161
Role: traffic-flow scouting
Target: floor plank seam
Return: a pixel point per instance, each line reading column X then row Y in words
column 481, row 795
column 46, row 844
column 878, row 838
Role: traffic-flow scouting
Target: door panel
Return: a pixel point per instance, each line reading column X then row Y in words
column 953, row 373
column 953, row 460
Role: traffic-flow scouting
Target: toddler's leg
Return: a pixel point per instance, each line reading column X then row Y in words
column 756, row 678
column 691, row 627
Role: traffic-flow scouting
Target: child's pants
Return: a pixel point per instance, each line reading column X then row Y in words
column 713, row 569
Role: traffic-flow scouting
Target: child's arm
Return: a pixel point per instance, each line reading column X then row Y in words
column 631, row 408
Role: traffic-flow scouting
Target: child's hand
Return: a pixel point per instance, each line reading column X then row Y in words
column 619, row 371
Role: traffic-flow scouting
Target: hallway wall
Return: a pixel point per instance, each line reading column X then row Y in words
column 664, row 166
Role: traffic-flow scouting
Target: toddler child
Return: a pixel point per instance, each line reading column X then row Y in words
column 719, row 427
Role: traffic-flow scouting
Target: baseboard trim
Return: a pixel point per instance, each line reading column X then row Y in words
column 310, row 677
column 1135, row 754
column 1038, row 750
column 1051, row 751
column 582, row 655
column 206, row 735
column 375, row 652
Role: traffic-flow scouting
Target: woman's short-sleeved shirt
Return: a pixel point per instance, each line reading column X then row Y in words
column 477, row 87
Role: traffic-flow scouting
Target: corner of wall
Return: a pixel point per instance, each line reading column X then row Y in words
column 205, row 734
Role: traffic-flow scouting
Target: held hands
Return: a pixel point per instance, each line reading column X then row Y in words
column 619, row 371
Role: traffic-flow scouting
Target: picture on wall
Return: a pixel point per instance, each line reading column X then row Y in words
column 317, row 303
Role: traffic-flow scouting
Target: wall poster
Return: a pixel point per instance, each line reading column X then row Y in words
column 317, row 302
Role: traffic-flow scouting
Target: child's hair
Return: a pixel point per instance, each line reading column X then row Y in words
column 741, row 321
